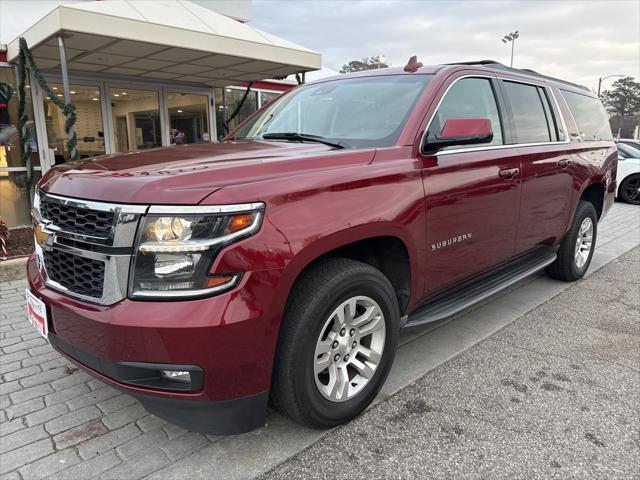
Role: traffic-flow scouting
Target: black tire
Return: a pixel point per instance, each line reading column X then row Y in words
column 629, row 189
column 565, row 267
column 318, row 292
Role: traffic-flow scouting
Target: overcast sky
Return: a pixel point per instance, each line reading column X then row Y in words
column 574, row 40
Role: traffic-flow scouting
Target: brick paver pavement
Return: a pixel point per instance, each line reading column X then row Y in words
column 57, row 421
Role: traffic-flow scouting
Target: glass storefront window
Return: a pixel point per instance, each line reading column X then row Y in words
column 136, row 119
column 266, row 97
column 14, row 194
column 89, row 126
column 227, row 100
column 188, row 118
column 15, row 204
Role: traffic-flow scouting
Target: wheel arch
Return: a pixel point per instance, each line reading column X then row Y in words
column 594, row 193
column 381, row 245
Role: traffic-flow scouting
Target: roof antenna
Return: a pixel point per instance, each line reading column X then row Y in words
column 412, row 65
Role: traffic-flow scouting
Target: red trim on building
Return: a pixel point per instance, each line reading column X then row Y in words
column 3, row 56
column 279, row 87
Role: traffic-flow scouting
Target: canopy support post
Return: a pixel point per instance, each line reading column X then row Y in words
column 65, row 84
column 63, row 67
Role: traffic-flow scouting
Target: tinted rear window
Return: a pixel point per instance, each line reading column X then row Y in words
column 530, row 117
column 590, row 116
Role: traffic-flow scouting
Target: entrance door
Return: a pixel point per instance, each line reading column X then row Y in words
column 188, row 118
column 140, row 110
column 472, row 193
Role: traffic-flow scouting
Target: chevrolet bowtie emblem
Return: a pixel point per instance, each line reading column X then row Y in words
column 41, row 236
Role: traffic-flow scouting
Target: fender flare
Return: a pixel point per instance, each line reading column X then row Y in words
column 316, row 249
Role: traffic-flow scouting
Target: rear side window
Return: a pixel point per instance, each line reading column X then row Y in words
column 531, row 113
column 590, row 116
column 468, row 98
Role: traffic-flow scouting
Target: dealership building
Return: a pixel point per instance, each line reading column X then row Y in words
column 141, row 74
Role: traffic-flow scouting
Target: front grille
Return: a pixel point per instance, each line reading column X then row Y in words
column 76, row 219
column 80, row 275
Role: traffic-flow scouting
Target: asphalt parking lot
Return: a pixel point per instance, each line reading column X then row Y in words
column 58, row 422
column 553, row 395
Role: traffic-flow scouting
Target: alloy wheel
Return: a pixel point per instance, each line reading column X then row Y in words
column 631, row 190
column 349, row 348
column 584, row 242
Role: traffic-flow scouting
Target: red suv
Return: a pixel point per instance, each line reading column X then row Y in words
column 281, row 264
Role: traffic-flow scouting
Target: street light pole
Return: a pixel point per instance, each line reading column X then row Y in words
column 604, row 78
column 511, row 37
column 513, row 46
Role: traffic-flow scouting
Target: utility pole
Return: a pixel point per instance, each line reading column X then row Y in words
column 511, row 37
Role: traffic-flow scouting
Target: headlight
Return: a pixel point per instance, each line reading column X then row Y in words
column 174, row 253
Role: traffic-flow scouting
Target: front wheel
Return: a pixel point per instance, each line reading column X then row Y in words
column 337, row 342
column 576, row 249
column 630, row 189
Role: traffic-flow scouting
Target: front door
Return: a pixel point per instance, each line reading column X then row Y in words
column 472, row 193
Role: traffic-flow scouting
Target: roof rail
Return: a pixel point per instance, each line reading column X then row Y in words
column 526, row 71
column 476, row 62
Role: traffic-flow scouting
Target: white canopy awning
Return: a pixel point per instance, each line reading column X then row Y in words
column 164, row 40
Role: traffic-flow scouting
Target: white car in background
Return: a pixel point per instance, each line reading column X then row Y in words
column 630, row 141
column 628, row 174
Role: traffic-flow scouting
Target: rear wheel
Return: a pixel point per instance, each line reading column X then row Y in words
column 630, row 189
column 576, row 250
column 337, row 343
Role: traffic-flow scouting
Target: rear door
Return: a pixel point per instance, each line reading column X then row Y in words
column 547, row 173
column 472, row 192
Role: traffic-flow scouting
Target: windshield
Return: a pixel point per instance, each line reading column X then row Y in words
column 629, row 151
column 355, row 112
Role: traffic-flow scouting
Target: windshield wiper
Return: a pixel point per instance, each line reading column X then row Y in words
column 301, row 137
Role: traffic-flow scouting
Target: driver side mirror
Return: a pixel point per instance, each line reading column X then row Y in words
column 460, row 131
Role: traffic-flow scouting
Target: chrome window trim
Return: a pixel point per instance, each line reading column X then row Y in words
column 496, row 147
column 203, row 209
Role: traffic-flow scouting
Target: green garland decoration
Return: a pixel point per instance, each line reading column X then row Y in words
column 69, row 109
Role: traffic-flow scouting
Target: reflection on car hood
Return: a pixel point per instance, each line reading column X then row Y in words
column 184, row 174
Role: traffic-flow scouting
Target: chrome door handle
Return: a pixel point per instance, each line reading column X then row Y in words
column 509, row 173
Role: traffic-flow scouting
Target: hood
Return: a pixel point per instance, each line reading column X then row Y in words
column 186, row 174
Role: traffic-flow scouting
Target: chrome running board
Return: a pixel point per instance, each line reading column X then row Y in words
column 454, row 301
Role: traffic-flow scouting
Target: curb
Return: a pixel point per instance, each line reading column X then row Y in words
column 13, row 269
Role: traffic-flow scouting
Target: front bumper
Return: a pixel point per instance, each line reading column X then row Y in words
column 229, row 338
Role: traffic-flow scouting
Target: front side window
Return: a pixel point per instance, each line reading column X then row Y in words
column 529, row 113
column 364, row 112
column 468, row 98
column 590, row 116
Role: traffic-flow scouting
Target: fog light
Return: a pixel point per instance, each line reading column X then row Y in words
column 176, row 376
